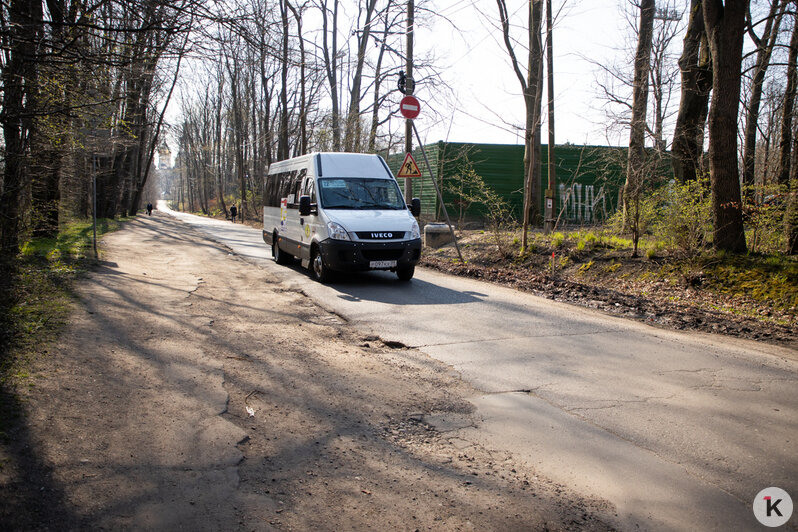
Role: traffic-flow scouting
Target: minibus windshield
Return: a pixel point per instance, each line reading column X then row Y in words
column 360, row 193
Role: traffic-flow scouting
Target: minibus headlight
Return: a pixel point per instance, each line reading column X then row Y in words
column 415, row 232
column 337, row 231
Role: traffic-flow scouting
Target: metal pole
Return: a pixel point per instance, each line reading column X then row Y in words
column 549, row 211
column 94, row 201
column 408, row 92
column 437, row 190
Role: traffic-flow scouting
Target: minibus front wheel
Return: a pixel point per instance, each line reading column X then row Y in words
column 405, row 274
column 318, row 269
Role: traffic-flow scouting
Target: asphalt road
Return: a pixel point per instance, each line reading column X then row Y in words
column 678, row 431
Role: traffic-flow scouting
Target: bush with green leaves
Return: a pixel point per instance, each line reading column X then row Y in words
column 764, row 220
column 684, row 217
column 470, row 189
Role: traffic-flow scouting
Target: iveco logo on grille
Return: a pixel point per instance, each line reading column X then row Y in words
column 381, row 235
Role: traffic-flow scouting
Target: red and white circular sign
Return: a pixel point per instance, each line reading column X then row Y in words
column 409, row 107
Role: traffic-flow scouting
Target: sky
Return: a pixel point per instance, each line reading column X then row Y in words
column 487, row 99
column 482, row 101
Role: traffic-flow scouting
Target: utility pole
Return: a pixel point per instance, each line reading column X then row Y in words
column 549, row 218
column 409, row 87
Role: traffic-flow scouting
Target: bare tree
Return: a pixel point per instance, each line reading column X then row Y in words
column 725, row 24
column 788, row 161
column 353, row 131
column 764, row 49
column 532, row 89
column 696, row 74
column 616, row 83
column 636, row 157
column 330, row 54
column 20, row 36
column 786, row 140
column 303, row 104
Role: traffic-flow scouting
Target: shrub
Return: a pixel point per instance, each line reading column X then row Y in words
column 765, row 220
column 684, row 219
column 472, row 190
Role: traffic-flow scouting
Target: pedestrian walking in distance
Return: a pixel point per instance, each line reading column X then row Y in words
column 149, row 209
column 233, row 212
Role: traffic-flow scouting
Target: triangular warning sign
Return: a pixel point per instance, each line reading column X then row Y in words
column 409, row 168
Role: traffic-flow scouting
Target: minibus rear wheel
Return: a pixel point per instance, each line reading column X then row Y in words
column 280, row 256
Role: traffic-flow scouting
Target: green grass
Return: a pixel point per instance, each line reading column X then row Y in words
column 769, row 279
column 74, row 241
column 38, row 298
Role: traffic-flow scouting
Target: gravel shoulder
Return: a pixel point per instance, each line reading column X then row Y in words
column 193, row 390
column 624, row 286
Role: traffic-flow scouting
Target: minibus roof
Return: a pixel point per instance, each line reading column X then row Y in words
column 352, row 165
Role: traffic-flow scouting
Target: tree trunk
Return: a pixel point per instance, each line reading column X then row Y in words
column 282, row 132
column 17, row 74
column 218, row 167
column 375, row 111
column 155, row 135
column 696, row 71
column 532, row 88
column 303, row 113
column 725, row 27
column 765, row 45
column 786, row 139
column 637, row 135
column 791, row 220
column 533, row 98
column 353, row 134
column 331, row 67
column 50, row 151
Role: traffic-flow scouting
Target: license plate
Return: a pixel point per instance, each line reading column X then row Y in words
column 382, row 264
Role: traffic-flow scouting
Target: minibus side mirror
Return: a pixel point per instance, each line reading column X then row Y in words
column 304, row 206
column 415, row 206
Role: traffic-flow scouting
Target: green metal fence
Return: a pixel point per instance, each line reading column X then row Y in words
column 589, row 178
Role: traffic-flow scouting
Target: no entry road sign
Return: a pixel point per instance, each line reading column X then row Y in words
column 409, row 107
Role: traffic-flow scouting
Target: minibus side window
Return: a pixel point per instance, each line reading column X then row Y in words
column 271, row 195
column 309, row 190
column 286, row 182
column 295, row 188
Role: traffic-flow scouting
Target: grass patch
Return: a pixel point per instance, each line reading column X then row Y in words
column 586, row 266
column 767, row 279
column 37, row 297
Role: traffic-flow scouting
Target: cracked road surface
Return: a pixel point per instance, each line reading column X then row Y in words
column 192, row 390
column 678, row 431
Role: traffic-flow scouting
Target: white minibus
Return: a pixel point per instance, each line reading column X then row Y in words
column 340, row 212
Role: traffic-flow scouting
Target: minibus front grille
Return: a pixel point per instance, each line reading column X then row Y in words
column 380, row 235
column 382, row 254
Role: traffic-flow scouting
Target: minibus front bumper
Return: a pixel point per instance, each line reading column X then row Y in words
column 344, row 255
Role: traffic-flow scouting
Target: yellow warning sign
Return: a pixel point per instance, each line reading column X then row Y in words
column 409, row 168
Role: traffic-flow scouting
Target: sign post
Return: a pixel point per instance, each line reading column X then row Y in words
column 409, row 107
column 438, row 192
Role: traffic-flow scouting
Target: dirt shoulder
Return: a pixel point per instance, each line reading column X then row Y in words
column 192, row 390
column 661, row 292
